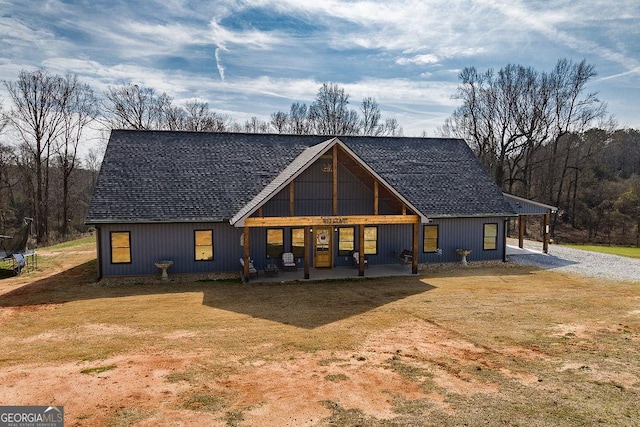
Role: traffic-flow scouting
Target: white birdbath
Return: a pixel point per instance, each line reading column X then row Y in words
column 463, row 253
column 163, row 265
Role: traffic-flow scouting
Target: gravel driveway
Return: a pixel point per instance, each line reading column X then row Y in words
column 561, row 258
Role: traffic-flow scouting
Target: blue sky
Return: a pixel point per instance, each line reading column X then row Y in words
column 256, row 57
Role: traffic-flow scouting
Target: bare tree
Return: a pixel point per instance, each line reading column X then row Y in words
column 572, row 113
column 175, row 118
column 299, row 119
column 199, row 118
column 370, row 122
column 135, row 107
column 79, row 108
column 7, row 181
column 279, row 121
column 6, row 160
column 506, row 117
column 92, row 163
column 494, row 117
column 38, row 118
column 392, row 128
column 4, row 119
column 195, row 116
column 255, row 125
column 329, row 113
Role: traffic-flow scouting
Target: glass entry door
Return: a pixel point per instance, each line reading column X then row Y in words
column 322, row 243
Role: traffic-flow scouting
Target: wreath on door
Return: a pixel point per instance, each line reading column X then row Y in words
column 323, row 237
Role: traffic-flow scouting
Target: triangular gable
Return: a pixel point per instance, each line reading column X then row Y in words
column 297, row 167
column 294, row 169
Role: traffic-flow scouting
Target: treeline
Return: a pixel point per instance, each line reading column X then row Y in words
column 135, row 107
column 543, row 138
column 50, row 117
column 539, row 134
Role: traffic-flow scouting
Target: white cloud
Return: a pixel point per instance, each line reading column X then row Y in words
column 167, row 35
column 250, row 38
column 419, row 60
column 555, row 24
column 269, row 53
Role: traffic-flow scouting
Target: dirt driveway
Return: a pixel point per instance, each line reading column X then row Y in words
column 485, row 345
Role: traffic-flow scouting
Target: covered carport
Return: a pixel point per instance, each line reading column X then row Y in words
column 524, row 207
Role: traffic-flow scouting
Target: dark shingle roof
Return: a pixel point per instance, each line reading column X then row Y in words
column 160, row 176
column 441, row 177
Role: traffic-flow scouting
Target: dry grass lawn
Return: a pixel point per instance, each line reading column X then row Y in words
column 507, row 345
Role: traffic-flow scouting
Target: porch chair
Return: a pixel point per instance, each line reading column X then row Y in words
column 405, row 257
column 289, row 262
column 356, row 259
column 253, row 272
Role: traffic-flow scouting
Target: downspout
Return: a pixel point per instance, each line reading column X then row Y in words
column 99, row 251
column 504, row 239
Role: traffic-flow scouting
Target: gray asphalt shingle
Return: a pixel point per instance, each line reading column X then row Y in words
column 163, row 176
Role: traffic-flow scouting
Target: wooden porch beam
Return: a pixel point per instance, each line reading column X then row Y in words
column 276, row 221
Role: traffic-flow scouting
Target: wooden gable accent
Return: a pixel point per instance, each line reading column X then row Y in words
column 339, row 157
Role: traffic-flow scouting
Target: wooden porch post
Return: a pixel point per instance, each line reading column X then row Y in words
column 414, row 258
column 335, row 180
column 361, row 250
column 545, row 233
column 245, row 254
column 521, row 220
column 307, row 251
column 376, row 197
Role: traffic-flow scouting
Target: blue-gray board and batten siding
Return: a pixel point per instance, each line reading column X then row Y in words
column 176, row 242
column 150, row 243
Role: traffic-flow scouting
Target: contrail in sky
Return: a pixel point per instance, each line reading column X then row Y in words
column 219, row 64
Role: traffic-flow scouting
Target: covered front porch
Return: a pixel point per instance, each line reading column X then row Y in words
column 320, row 244
column 335, row 273
column 326, row 190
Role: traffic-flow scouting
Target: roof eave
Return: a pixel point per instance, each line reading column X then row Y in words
column 480, row 215
column 552, row 209
column 153, row 221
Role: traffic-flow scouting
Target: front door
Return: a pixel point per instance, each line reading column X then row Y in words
column 322, row 247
